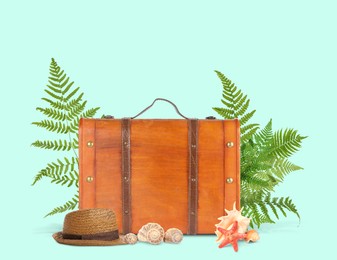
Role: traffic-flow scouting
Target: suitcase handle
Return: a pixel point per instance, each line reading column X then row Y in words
column 162, row 99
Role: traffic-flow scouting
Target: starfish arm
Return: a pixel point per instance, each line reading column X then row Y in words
column 222, row 230
column 224, row 243
column 235, row 245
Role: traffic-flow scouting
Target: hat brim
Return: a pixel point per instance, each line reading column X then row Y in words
column 74, row 242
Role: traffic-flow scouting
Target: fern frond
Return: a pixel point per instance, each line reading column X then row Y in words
column 264, row 136
column 248, row 135
column 286, row 142
column 56, row 145
column 288, row 203
column 256, row 207
column 38, row 177
column 65, row 106
column 57, row 97
column 76, row 110
column 70, row 179
column 67, row 87
column 241, row 106
column 244, row 119
column 271, row 205
column 55, row 104
column 90, row 112
column 73, row 127
column 55, row 82
column 247, row 128
column 236, row 103
column 52, row 113
column 73, row 102
column 281, row 167
column 59, row 167
column 264, row 210
column 278, row 203
column 71, row 94
column 69, row 205
column 255, row 183
column 53, row 126
column 55, row 89
column 75, row 142
column 224, row 112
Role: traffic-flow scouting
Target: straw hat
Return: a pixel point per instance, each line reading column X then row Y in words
column 89, row 227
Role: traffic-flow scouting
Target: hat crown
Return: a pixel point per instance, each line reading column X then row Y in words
column 90, row 221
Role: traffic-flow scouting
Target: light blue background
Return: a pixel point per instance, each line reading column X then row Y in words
column 123, row 54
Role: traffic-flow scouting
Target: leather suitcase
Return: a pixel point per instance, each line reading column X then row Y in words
column 179, row 173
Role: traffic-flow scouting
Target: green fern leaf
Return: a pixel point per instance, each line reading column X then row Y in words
column 57, row 97
column 54, row 82
column 236, row 106
column 90, row 112
column 38, row 177
column 55, row 104
column 286, row 142
column 58, row 168
column 73, row 127
column 248, row 128
column 61, row 76
column 76, row 111
column 224, row 112
column 53, row 126
column 65, row 109
column 278, row 203
column 52, row 113
column 71, row 94
column 242, row 106
column 71, row 178
column 75, row 142
column 57, row 90
column 264, row 136
column 74, row 102
column 267, row 200
column 281, row 167
column 291, row 207
column 264, row 156
column 69, row 205
column 56, row 145
column 65, row 91
column 63, row 82
column 244, row 119
column 248, row 135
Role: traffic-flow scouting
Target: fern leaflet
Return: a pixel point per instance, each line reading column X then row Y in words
column 69, row 205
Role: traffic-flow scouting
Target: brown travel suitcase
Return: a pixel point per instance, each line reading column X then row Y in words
column 179, row 173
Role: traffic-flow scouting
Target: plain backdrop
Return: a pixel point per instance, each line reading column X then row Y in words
column 123, row 54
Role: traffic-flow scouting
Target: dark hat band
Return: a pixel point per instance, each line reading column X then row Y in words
column 105, row 236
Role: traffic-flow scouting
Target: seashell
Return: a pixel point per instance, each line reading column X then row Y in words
column 152, row 233
column 252, row 236
column 173, row 235
column 226, row 222
column 130, row 238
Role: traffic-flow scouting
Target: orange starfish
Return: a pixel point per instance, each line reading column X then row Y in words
column 231, row 236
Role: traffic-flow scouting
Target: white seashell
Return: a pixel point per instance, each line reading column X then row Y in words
column 228, row 220
column 173, row 235
column 152, row 233
column 130, row 238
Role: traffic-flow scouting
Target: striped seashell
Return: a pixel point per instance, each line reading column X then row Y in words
column 173, row 235
column 130, row 239
column 152, row 233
